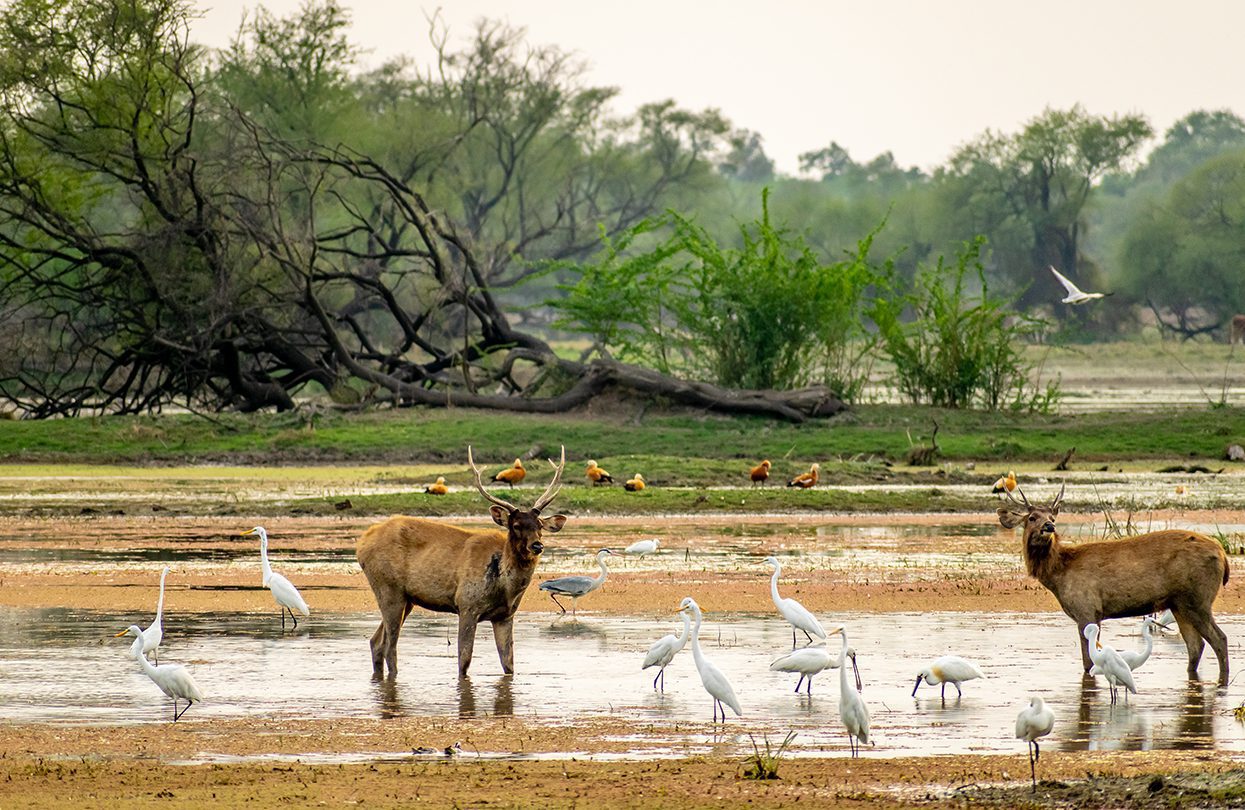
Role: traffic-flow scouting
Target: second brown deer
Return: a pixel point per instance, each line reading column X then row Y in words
column 1134, row 576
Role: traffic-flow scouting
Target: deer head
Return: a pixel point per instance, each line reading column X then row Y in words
column 524, row 526
column 1039, row 521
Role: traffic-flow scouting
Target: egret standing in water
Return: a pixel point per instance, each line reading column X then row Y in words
column 947, row 669
column 154, row 633
column 1033, row 722
column 852, row 709
column 664, row 650
column 575, row 587
column 807, row 661
column 1109, row 664
column 715, row 683
column 173, row 679
column 283, row 591
column 641, row 547
column 792, row 610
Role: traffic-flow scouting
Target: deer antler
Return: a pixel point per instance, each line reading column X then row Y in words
column 480, row 486
column 552, row 490
column 1012, row 498
column 1058, row 499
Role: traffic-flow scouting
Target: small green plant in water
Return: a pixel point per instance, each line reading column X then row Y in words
column 765, row 765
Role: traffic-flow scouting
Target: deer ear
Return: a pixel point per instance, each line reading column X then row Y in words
column 501, row 515
column 1010, row 519
column 553, row 524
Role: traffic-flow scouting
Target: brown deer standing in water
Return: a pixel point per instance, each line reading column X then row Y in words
column 1237, row 332
column 480, row 575
column 1172, row 569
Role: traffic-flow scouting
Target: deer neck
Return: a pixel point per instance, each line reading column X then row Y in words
column 516, row 571
column 1043, row 560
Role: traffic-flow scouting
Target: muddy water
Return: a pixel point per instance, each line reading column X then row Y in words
column 61, row 666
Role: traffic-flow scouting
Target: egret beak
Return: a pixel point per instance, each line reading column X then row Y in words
column 856, row 670
column 834, row 631
column 919, row 678
column 122, row 633
column 245, row 533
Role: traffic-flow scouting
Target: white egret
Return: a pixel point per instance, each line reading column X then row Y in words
column 575, row 587
column 807, row 661
column 1075, row 295
column 154, row 633
column 1166, row 619
column 664, row 650
column 1108, row 664
column 792, row 610
column 1135, row 658
column 948, row 669
column 283, row 591
column 715, row 683
column 1035, row 721
column 173, row 679
column 852, row 709
column 641, row 547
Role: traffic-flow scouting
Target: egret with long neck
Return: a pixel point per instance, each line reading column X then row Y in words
column 154, row 633
column 715, row 683
column 283, row 591
column 665, row 649
column 174, row 680
column 793, row 611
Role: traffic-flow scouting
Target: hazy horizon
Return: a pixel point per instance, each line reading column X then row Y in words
column 917, row 79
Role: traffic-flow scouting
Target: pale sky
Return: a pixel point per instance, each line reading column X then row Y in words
column 917, row 78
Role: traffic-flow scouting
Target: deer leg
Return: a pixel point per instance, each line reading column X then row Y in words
column 391, row 616
column 1086, row 661
column 466, row 642
column 378, row 651
column 1192, row 640
column 503, row 634
column 1218, row 640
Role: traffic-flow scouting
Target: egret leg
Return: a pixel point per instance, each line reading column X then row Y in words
column 958, row 693
column 798, row 683
column 809, row 688
column 292, row 616
column 806, row 635
column 793, row 636
column 283, row 620
column 556, row 602
column 659, row 672
column 174, row 710
column 574, row 606
column 663, row 680
column 1032, row 767
column 189, row 703
column 944, row 690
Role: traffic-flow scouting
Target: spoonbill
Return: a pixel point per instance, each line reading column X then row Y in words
column 1109, row 664
column 1033, row 722
column 715, row 683
column 174, row 680
column 664, row 650
column 949, row 669
column 575, row 587
column 283, row 591
column 793, row 611
column 154, row 633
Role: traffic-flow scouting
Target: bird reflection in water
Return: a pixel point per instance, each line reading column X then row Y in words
column 1100, row 726
column 503, row 698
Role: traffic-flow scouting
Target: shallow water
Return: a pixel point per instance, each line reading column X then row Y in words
column 63, row 666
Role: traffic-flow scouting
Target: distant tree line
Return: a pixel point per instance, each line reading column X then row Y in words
column 233, row 229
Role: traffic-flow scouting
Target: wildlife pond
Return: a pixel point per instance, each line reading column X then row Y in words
column 907, row 588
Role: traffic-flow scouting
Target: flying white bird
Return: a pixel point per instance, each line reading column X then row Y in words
column 283, row 591
column 792, row 610
column 807, row 661
column 1075, row 296
column 1035, row 721
column 154, row 633
column 173, row 679
column 852, row 709
column 1135, row 658
column 949, row 669
column 715, row 683
column 1109, row 664
column 664, row 650
column 641, row 547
